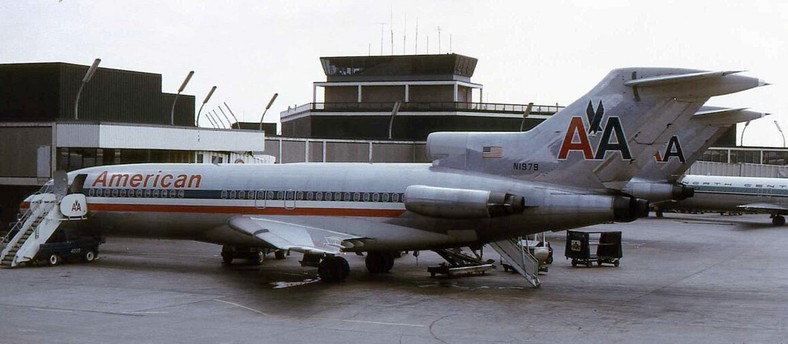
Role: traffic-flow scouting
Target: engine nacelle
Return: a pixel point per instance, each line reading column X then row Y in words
column 461, row 203
column 659, row 191
column 628, row 209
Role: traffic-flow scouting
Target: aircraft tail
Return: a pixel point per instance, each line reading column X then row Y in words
column 703, row 129
column 599, row 141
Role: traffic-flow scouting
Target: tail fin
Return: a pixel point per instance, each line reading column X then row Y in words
column 601, row 140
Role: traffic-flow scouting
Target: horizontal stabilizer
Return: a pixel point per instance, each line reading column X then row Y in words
column 726, row 116
column 662, row 80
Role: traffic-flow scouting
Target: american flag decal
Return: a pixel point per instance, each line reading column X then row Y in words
column 492, row 152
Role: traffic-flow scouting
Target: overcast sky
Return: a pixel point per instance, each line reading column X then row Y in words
column 545, row 52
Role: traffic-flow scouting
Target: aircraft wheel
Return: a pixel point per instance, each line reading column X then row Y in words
column 279, row 254
column 778, row 220
column 379, row 261
column 333, row 269
column 54, row 259
column 89, row 256
column 227, row 258
column 259, row 258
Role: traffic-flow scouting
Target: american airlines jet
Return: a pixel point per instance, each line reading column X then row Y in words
column 480, row 187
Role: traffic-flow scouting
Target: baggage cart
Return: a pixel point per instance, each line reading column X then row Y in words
column 585, row 248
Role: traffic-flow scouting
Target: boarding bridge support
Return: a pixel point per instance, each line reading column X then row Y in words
column 518, row 256
column 43, row 217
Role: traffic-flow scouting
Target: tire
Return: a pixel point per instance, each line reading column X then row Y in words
column 279, row 254
column 259, row 258
column 54, row 259
column 378, row 262
column 227, row 258
column 333, row 269
column 616, row 263
column 574, row 263
column 778, row 220
column 89, row 256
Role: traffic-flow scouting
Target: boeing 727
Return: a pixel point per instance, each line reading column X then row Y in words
column 564, row 173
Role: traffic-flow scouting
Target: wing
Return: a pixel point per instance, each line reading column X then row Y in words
column 764, row 208
column 289, row 236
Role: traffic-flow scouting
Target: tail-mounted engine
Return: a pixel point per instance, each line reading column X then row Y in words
column 461, row 203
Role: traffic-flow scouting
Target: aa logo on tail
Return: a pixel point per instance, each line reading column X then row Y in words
column 577, row 135
column 672, row 150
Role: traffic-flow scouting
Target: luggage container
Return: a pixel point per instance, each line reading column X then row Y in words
column 588, row 247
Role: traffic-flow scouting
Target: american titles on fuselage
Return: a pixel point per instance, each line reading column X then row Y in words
column 577, row 136
column 147, row 180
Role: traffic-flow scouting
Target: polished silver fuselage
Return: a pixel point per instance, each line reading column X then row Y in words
column 135, row 203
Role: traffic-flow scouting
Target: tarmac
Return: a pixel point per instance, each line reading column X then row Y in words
column 683, row 279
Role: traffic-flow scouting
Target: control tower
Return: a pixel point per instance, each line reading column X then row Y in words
column 435, row 93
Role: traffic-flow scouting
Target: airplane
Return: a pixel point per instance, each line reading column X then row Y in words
column 738, row 194
column 565, row 173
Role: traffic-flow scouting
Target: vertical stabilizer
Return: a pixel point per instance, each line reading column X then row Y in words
column 601, row 140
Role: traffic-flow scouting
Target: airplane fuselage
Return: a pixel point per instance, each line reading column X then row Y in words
column 195, row 201
column 720, row 193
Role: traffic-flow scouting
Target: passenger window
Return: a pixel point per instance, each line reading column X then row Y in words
column 310, row 196
column 385, row 197
column 356, row 197
column 224, row 194
column 376, row 197
column 300, row 196
column 233, row 194
column 337, row 196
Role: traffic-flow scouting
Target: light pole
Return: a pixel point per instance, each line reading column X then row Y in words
column 231, row 113
column 183, row 85
column 741, row 144
column 780, row 130
column 197, row 122
column 85, row 80
column 266, row 109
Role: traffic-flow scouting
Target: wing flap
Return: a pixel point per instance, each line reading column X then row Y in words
column 290, row 236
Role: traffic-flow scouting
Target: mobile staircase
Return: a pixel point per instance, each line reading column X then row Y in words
column 43, row 217
column 519, row 258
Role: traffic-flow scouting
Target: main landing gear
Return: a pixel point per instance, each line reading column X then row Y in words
column 254, row 254
column 378, row 262
column 778, row 220
column 333, row 269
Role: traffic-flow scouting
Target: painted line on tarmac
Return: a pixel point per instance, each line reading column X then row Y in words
column 382, row 323
column 242, row 306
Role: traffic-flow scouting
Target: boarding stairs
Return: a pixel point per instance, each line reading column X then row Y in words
column 34, row 228
column 518, row 257
column 459, row 263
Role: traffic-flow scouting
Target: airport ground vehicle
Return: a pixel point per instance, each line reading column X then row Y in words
column 68, row 246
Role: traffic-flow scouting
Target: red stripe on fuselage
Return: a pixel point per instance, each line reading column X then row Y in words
column 244, row 210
